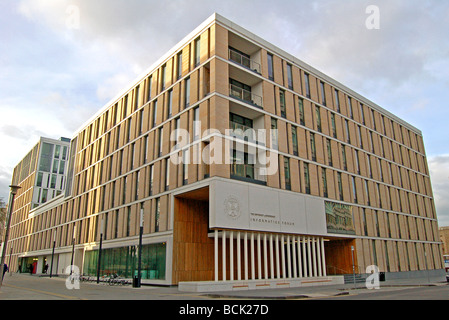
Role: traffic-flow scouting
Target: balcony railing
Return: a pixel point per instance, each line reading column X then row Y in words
column 245, row 95
column 244, row 61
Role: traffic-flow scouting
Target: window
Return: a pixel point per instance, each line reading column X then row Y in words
column 306, row 177
column 306, row 79
column 287, row 173
column 282, row 101
column 163, row 72
column 323, row 93
column 57, row 151
column 187, row 93
column 136, row 102
column 350, row 108
column 360, row 136
column 362, row 114
column 367, row 193
column 348, row 137
column 151, row 178
column 242, row 164
column 170, row 103
column 150, row 83
column 154, row 113
column 157, row 215
column 329, row 151
column 140, row 122
column 196, row 123
column 318, row 118
column 197, row 51
column 274, row 134
column 289, row 76
column 161, row 137
column 354, row 189
column 340, row 186
column 357, row 164
column 270, row 66
column 167, row 174
column 324, row 181
column 136, row 188
column 312, row 145
column 337, row 100
column 179, row 66
column 125, row 182
column 145, row 151
column 343, row 156
column 334, row 129
column 128, row 221
column 295, row 140
column 185, row 166
column 39, row 179
column 301, row 111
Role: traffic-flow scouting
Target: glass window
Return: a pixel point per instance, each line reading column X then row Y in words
column 179, row 65
column 170, row 103
column 306, row 177
column 46, row 157
column 197, row 51
column 282, row 101
column 123, row 262
column 157, row 215
column 287, row 173
column 187, row 93
column 289, row 76
column 306, row 79
column 312, row 145
column 39, row 179
column 295, row 140
column 301, row 111
column 163, row 76
column 270, row 66
column 323, row 93
column 57, row 151
column 318, row 118
column 337, row 100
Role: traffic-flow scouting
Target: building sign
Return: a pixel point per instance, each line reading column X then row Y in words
column 243, row 206
column 339, row 218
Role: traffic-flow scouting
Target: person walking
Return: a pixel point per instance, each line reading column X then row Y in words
column 5, row 269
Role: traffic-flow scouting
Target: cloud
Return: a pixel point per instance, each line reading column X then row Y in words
column 439, row 173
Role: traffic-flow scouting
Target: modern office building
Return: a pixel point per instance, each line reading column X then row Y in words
column 41, row 174
column 278, row 175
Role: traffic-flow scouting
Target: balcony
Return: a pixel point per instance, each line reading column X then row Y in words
column 244, row 61
column 245, row 95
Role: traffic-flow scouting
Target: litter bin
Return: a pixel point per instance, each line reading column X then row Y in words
column 381, row 276
column 136, row 282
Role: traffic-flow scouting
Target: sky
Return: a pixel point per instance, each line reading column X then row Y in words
column 63, row 60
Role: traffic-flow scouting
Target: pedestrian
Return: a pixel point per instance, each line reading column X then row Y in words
column 5, row 269
column 46, row 268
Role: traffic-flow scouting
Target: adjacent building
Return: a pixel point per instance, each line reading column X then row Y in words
column 243, row 165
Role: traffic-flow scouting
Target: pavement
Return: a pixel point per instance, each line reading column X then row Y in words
column 31, row 287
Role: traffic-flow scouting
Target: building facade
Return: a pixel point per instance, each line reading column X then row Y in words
column 241, row 163
column 41, row 174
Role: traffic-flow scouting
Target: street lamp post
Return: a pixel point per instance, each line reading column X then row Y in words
column 99, row 251
column 73, row 249
column 53, row 253
column 12, row 195
column 139, row 264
